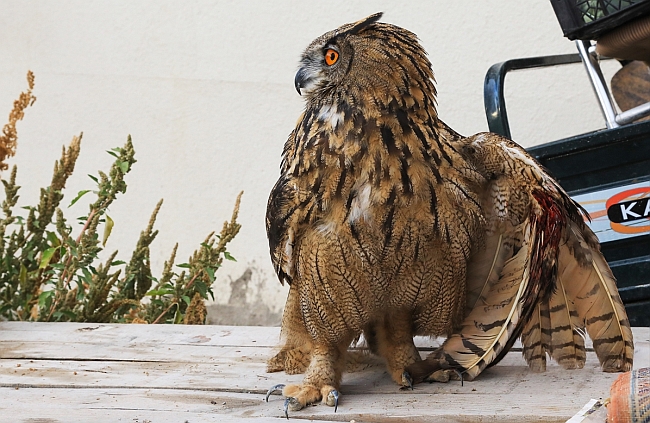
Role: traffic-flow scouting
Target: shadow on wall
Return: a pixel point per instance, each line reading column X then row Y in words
column 240, row 311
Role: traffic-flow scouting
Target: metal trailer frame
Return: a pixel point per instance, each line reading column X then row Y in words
column 610, row 165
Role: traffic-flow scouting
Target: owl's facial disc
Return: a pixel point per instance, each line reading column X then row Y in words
column 308, row 77
column 316, row 64
column 328, row 58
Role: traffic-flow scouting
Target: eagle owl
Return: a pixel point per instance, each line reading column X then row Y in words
column 385, row 222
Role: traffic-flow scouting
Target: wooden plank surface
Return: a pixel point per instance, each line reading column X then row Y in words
column 65, row 372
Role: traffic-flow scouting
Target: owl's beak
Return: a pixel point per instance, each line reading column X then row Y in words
column 303, row 78
column 300, row 79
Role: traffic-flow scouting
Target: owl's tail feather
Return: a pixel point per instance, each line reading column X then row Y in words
column 536, row 338
column 585, row 298
column 567, row 344
column 555, row 326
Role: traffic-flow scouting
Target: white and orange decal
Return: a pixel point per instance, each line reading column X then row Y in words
column 620, row 212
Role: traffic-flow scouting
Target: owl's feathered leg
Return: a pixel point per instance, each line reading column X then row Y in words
column 295, row 354
column 320, row 318
column 393, row 339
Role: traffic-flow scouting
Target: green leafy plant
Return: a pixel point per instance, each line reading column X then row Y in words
column 48, row 274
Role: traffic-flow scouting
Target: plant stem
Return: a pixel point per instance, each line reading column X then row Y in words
column 67, row 263
column 164, row 312
column 192, row 280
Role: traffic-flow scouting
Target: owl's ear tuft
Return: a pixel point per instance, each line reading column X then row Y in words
column 354, row 28
column 363, row 23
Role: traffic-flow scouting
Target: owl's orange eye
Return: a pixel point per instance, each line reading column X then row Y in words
column 331, row 56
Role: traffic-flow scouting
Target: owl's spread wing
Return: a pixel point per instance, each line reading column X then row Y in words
column 540, row 275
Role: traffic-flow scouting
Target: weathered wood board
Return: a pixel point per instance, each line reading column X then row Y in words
column 62, row 372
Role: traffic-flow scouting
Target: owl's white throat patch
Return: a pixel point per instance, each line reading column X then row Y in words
column 330, row 114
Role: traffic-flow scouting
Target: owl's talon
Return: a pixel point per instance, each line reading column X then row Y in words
column 286, row 407
column 460, row 375
column 291, row 403
column 407, row 381
column 274, row 388
column 333, row 399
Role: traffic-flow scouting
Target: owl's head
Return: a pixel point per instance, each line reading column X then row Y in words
column 364, row 56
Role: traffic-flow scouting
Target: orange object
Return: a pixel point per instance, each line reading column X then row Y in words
column 630, row 398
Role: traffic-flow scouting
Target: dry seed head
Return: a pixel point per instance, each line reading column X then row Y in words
column 9, row 137
column 196, row 311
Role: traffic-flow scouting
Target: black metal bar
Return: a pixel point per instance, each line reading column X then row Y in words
column 495, row 103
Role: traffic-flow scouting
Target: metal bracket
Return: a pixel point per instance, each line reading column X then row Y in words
column 613, row 119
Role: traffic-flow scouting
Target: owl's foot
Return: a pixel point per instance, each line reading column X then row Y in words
column 445, row 376
column 299, row 396
column 433, row 370
column 442, row 376
column 276, row 363
column 421, row 370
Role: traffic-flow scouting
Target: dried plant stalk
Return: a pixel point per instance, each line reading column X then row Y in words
column 9, row 136
column 47, row 274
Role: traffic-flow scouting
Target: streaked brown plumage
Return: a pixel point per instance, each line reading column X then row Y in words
column 387, row 222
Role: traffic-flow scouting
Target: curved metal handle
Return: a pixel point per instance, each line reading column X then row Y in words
column 495, row 103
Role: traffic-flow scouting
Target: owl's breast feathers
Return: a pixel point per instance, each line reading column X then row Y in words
column 376, row 163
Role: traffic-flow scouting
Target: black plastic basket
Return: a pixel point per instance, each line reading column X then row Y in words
column 588, row 19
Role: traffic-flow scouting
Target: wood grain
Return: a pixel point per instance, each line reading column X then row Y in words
column 137, row 373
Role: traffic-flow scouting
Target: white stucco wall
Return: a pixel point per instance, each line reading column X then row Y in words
column 205, row 88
